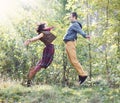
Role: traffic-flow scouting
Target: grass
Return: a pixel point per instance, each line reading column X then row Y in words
column 14, row 92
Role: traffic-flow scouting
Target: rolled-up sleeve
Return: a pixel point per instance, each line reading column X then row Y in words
column 78, row 29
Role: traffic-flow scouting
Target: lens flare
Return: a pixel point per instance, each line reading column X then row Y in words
column 7, row 7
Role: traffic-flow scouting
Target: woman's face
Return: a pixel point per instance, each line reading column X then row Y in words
column 45, row 25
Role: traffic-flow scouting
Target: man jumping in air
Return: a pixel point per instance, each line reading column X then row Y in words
column 70, row 45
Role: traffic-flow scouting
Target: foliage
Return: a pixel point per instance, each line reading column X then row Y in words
column 100, row 19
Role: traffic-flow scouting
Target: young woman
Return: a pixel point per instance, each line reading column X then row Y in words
column 47, row 38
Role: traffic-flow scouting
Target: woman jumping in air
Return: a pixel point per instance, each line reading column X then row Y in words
column 47, row 38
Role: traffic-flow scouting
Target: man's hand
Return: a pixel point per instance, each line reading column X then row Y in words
column 88, row 37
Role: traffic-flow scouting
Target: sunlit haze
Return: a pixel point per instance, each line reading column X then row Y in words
column 7, row 6
column 11, row 8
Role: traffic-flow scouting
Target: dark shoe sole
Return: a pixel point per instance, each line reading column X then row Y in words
column 82, row 79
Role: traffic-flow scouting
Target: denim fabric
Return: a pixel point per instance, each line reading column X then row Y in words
column 72, row 31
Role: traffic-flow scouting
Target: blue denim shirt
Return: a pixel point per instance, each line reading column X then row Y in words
column 72, row 31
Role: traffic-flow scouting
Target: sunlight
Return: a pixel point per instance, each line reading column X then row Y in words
column 30, row 3
column 11, row 8
column 7, row 7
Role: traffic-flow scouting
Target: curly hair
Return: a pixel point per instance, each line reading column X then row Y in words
column 40, row 28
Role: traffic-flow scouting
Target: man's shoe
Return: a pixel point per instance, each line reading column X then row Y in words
column 82, row 79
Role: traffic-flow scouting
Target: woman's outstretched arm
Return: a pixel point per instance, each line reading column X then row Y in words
column 28, row 41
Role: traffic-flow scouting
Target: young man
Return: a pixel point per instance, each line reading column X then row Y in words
column 70, row 45
column 46, row 37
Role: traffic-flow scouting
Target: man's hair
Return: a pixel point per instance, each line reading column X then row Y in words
column 74, row 14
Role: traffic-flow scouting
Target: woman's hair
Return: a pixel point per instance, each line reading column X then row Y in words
column 40, row 28
column 74, row 14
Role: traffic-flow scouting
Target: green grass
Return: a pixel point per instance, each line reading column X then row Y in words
column 14, row 92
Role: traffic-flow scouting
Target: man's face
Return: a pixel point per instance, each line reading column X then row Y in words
column 72, row 18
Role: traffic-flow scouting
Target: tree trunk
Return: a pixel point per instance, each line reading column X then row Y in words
column 89, row 45
column 118, row 51
column 64, row 68
column 106, row 56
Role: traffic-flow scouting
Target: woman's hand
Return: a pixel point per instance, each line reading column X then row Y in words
column 27, row 42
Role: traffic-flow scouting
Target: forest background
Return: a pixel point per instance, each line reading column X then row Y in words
column 100, row 56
